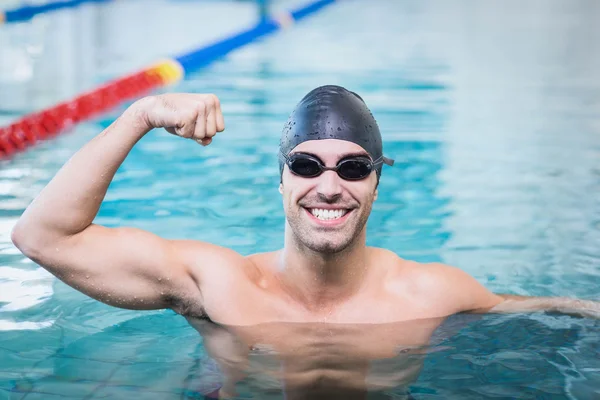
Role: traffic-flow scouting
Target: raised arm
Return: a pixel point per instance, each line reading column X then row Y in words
column 123, row 267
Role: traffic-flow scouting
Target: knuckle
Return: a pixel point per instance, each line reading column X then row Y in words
column 190, row 114
column 201, row 108
column 209, row 101
column 210, row 107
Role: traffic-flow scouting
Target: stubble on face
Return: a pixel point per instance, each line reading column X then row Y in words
column 327, row 191
column 327, row 240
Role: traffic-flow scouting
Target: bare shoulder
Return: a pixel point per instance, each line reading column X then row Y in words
column 396, row 267
column 204, row 260
column 437, row 286
column 263, row 265
column 213, row 269
column 423, row 275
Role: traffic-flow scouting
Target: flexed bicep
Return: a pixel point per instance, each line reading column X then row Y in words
column 122, row 267
column 131, row 268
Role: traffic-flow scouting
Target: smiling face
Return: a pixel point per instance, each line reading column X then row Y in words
column 327, row 213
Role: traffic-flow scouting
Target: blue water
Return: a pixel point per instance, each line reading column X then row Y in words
column 492, row 112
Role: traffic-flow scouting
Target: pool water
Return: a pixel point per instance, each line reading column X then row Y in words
column 492, row 113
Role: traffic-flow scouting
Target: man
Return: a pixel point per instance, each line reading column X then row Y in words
column 312, row 318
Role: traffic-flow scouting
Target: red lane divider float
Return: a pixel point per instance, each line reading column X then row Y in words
column 47, row 123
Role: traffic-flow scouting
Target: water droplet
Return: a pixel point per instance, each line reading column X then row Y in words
column 87, row 277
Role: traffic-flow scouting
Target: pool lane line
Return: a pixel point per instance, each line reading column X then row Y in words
column 47, row 123
column 26, row 13
column 195, row 60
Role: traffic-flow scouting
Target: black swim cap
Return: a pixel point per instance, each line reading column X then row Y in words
column 332, row 112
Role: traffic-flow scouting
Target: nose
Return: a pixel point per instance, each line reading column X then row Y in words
column 329, row 188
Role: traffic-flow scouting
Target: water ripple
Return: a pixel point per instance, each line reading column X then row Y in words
column 496, row 137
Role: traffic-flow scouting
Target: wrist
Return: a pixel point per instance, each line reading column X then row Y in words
column 136, row 115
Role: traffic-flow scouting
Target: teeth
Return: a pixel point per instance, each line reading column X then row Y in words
column 327, row 214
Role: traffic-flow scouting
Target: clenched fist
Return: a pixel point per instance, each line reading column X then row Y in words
column 192, row 116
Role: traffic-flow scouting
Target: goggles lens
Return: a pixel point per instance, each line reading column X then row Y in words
column 354, row 168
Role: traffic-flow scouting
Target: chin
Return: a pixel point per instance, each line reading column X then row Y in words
column 327, row 246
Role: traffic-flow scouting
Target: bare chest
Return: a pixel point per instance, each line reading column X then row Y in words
column 246, row 304
column 317, row 355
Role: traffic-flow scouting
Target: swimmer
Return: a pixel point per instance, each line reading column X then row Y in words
column 323, row 317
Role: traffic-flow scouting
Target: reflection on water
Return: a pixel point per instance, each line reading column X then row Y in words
column 492, row 113
column 465, row 356
column 328, row 361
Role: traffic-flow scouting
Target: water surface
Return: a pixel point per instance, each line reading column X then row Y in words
column 491, row 111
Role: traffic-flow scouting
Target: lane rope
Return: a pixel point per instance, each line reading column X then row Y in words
column 28, row 12
column 47, row 123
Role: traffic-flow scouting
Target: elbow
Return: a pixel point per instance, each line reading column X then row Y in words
column 36, row 243
column 18, row 237
column 26, row 241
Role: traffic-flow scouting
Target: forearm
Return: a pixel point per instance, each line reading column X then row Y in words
column 563, row 305
column 70, row 202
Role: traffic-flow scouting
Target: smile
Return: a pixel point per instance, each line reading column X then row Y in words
column 327, row 215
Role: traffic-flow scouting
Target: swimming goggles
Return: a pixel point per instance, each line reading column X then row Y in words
column 353, row 168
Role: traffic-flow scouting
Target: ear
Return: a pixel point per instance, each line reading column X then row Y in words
column 281, row 188
column 376, row 194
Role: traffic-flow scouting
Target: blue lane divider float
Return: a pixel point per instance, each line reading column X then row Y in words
column 26, row 13
column 35, row 127
column 195, row 60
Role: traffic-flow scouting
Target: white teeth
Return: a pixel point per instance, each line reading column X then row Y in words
column 327, row 214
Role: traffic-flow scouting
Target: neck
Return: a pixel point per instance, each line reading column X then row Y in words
column 321, row 280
